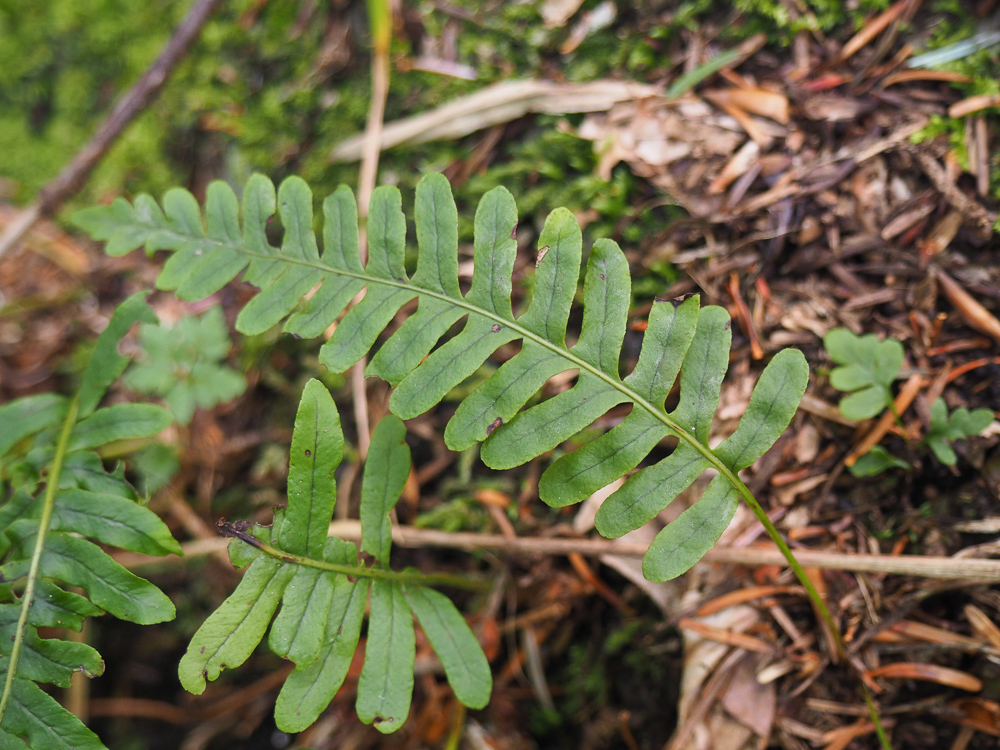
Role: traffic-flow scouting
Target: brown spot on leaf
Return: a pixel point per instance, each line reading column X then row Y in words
column 513, row 231
column 726, row 327
column 542, row 252
column 602, row 277
column 496, row 328
column 493, row 425
column 308, row 452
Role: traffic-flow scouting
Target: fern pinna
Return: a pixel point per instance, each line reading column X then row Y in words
column 323, row 590
column 56, row 492
column 680, row 339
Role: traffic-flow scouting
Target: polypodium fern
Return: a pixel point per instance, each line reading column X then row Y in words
column 680, row 338
column 323, row 590
column 55, row 493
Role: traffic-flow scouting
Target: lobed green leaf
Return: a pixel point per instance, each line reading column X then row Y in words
column 308, row 690
column 386, row 471
column 231, row 633
column 113, row 520
column 683, row 542
column 105, row 363
column 868, row 368
column 119, row 422
column 26, row 416
column 108, row 585
column 385, row 687
column 317, row 449
column 463, row 659
column 34, row 715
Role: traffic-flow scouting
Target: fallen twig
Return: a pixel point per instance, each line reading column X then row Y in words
column 144, row 91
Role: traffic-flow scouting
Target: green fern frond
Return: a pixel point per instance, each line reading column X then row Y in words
column 57, row 492
column 681, row 339
column 322, row 590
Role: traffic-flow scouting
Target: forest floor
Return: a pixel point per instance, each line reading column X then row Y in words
column 797, row 172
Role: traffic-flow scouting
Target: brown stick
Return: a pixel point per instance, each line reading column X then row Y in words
column 408, row 536
column 142, row 93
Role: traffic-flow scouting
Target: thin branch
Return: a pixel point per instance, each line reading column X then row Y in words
column 915, row 565
column 949, row 568
column 142, row 93
column 380, row 18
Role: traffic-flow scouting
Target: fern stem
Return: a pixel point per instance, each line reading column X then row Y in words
column 36, row 556
column 883, row 738
column 358, row 571
column 786, row 551
column 611, row 380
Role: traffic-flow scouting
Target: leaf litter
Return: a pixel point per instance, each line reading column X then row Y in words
column 802, row 175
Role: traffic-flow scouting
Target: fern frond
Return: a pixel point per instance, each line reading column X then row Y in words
column 60, row 494
column 322, row 589
column 680, row 340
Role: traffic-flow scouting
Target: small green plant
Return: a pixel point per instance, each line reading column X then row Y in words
column 317, row 580
column 960, row 424
column 681, row 339
column 57, row 493
column 867, row 369
column 323, row 589
column 184, row 364
column 875, row 461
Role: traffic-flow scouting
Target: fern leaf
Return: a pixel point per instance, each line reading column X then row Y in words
column 26, row 416
column 322, row 589
column 232, row 632
column 681, row 341
column 35, row 715
column 386, row 471
column 308, row 691
column 78, row 562
column 317, row 449
column 105, row 363
column 61, row 494
column 47, row 659
column 386, row 683
column 463, row 660
column 119, row 422
column 113, row 520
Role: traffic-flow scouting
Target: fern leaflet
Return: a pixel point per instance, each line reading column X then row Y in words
column 56, row 493
column 323, row 590
column 680, row 340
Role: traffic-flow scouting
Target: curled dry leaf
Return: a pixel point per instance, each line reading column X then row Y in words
column 756, row 100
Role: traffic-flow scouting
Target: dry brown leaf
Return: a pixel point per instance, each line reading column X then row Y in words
column 496, row 104
column 918, row 631
column 758, row 101
column 984, row 627
column 980, row 714
column 940, row 236
column 973, row 104
column 907, row 670
column 728, row 637
column 742, row 596
column 747, row 700
column 975, row 314
column 839, row 739
column 872, row 29
column 905, row 76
